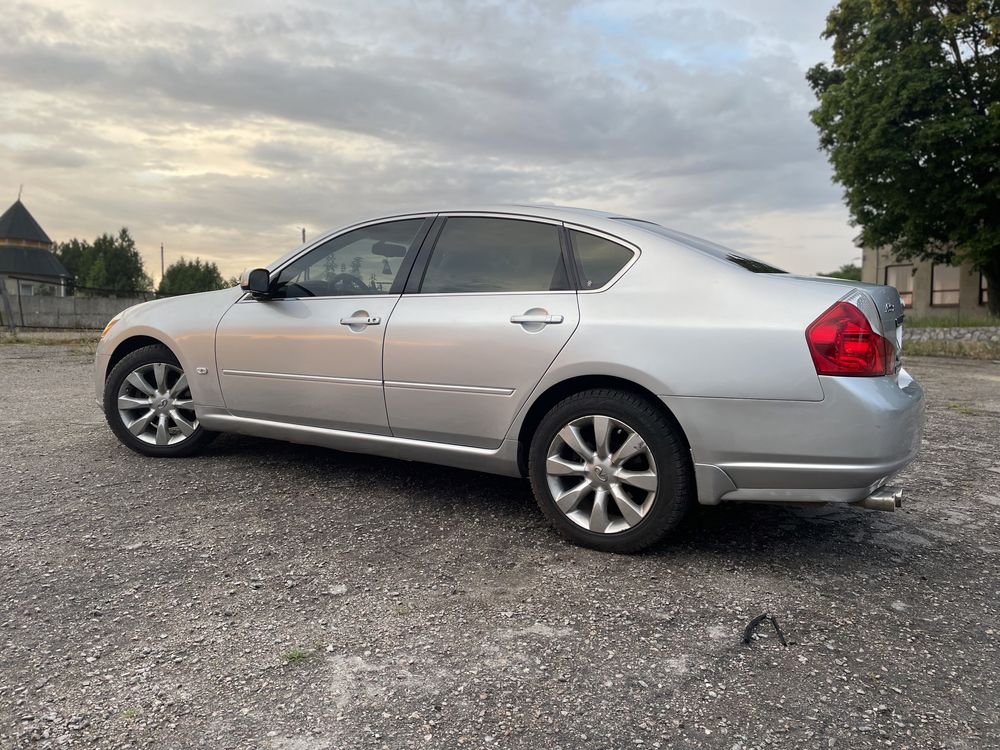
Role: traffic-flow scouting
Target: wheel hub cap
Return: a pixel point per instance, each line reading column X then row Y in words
column 601, row 474
column 154, row 404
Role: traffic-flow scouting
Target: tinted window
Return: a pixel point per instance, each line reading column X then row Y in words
column 495, row 255
column 364, row 261
column 709, row 248
column 597, row 259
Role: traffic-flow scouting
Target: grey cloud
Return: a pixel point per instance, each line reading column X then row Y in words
column 695, row 110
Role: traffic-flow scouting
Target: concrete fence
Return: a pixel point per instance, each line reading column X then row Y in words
column 63, row 312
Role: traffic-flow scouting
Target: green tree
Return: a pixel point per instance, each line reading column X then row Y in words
column 111, row 263
column 847, row 271
column 189, row 276
column 909, row 114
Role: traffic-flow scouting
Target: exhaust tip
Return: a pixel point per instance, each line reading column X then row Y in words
column 886, row 499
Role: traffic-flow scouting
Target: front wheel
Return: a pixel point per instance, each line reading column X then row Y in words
column 148, row 405
column 610, row 470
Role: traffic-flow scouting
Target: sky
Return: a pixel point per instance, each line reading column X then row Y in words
column 222, row 128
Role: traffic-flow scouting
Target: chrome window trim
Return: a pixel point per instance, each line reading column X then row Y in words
column 248, row 297
column 488, row 294
column 501, row 215
column 635, row 250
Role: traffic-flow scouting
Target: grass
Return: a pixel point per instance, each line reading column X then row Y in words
column 297, row 655
column 962, row 408
column 963, row 349
column 49, row 338
column 951, row 321
column 83, row 342
column 131, row 714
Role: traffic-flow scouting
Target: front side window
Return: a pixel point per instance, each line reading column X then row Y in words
column 901, row 277
column 495, row 255
column 944, row 285
column 363, row 261
column 598, row 260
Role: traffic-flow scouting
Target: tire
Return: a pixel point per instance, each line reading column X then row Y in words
column 157, row 401
column 653, row 470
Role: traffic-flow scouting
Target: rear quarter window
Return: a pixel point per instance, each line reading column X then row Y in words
column 597, row 260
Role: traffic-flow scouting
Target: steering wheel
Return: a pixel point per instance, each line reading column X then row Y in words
column 346, row 282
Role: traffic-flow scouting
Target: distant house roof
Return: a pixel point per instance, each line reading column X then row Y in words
column 17, row 223
column 33, row 262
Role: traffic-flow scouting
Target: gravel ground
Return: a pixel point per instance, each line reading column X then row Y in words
column 266, row 595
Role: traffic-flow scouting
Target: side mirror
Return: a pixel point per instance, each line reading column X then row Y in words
column 258, row 283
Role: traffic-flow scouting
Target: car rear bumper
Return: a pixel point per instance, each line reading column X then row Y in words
column 840, row 449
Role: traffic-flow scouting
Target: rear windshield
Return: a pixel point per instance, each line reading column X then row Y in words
column 710, row 248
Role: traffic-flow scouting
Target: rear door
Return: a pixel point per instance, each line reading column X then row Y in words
column 488, row 307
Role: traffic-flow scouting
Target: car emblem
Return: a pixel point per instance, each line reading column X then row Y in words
column 889, row 307
column 601, row 473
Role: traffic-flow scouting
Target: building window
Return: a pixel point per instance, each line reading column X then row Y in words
column 984, row 294
column 945, row 285
column 901, row 277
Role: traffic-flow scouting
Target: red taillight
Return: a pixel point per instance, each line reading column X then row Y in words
column 842, row 342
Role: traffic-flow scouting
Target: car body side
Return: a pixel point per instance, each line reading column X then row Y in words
column 721, row 348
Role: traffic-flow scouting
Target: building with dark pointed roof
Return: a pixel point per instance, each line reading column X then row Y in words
column 27, row 263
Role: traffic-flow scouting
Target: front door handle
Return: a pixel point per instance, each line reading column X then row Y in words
column 537, row 319
column 361, row 320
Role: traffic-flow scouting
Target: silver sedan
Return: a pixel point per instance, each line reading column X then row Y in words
column 625, row 369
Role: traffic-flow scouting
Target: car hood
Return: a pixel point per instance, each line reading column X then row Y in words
column 164, row 303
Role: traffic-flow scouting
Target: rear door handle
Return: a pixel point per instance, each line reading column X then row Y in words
column 361, row 320
column 537, row 319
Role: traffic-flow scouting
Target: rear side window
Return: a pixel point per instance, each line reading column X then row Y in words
column 597, row 259
column 495, row 255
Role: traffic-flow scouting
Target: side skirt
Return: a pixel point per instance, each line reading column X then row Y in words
column 502, row 460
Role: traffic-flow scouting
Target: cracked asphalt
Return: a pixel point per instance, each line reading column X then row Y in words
column 267, row 595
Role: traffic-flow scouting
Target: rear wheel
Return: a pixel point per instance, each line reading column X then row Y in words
column 610, row 471
column 148, row 405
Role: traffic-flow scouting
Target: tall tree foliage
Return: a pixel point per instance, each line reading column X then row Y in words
column 188, row 276
column 111, row 263
column 909, row 114
column 847, row 271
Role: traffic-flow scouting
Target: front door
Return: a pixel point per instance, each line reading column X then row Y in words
column 312, row 355
column 492, row 310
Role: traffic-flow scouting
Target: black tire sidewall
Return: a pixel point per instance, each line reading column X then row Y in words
column 673, row 496
column 112, row 383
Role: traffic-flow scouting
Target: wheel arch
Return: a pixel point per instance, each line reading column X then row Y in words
column 558, row 391
column 133, row 343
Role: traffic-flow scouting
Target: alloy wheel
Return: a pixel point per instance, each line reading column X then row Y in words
column 155, row 405
column 601, row 474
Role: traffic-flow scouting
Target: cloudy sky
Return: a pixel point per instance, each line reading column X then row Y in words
column 219, row 128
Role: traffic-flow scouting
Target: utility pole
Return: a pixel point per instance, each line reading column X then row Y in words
column 303, row 235
column 161, row 262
